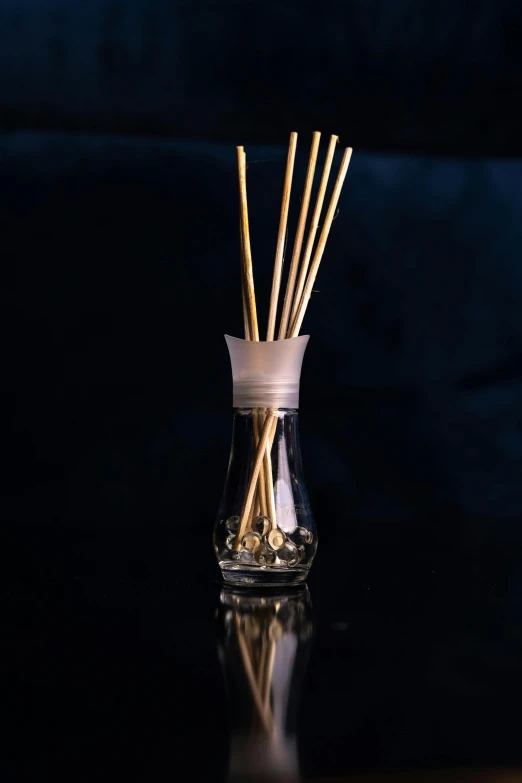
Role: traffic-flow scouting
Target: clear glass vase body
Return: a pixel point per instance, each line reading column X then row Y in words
column 275, row 543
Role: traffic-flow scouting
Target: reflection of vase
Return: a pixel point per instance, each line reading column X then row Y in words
column 263, row 645
column 265, row 532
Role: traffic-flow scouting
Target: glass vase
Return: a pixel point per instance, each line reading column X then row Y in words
column 265, row 533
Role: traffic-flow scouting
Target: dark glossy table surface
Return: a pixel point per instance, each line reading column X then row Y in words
column 402, row 660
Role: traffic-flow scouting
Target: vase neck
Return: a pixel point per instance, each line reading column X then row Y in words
column 266, row 374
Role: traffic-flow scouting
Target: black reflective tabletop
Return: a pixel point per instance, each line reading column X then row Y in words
column 400, row 660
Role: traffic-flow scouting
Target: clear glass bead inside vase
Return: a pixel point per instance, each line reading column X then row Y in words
column 273, row 540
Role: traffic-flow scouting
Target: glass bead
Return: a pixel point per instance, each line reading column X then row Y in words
column 232, row 524
column 251, row 541
column 264, row 556
column 262, row 525
column 289, row 554
column 276, row 539
column 231, row 540
column 303, row 535
column 301, row 551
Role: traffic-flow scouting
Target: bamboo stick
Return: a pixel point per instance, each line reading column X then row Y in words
column 246, row 320
column 314, row 225
column 312, row 274
column 249, row 496
column 280, row 246
column 269, row 479
column 257, row 423
column 250, row 295
column 298, row 243
column 250, row 315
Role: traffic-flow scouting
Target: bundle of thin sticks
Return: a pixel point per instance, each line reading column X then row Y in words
column 258, row 630
column 303, row 270
column 259, row 667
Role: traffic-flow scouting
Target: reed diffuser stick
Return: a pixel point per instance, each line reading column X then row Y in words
column 280, row 246
column 321, row 244
column 272, row 315
column 251, row 318
column 251, row 489
column 246, row 320
column 250, row 295
column 258, row 420
column 298, row 242
column 269, row 479
column 314, row 225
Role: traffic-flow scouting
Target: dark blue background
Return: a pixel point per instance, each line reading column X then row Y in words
column 120, row 252
column 123, row 277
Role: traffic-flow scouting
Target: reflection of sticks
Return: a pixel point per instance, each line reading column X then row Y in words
column 268, row 676
column 261, row 672
column 266, row 718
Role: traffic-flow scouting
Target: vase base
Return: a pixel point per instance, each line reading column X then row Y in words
column 243, row 575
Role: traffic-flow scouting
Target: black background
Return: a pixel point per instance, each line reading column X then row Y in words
column 118, row 126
